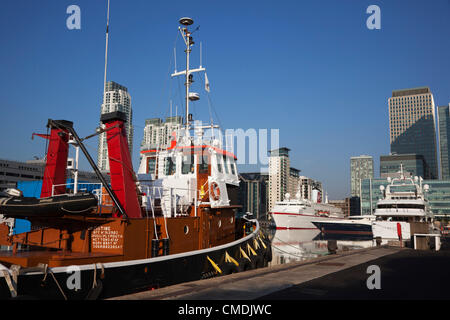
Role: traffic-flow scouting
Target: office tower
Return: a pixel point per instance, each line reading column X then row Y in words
column 293, row 181
column 307, row 185
column 413, row 165
column 444, row 140
column 157, row 134
column 412, row 125
column 361, row 167
column 253, row 193
column 279, row 172
column 115, row 98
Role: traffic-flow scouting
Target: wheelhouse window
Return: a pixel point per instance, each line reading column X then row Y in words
column 225, row 164
column 169, row 166
column 401, row 206
column 203, row 162
column 219, row 163
column 151, row 165
column 233, row 166
column 187, row 165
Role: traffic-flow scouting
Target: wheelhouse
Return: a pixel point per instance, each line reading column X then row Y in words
column 193, row 161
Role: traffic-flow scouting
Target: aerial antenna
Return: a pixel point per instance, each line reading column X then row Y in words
column 175, row 57
column 196, row 29
column 188, row 72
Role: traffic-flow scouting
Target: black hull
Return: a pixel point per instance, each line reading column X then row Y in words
column 120, row 278
column 28, row 207
column 336, row 230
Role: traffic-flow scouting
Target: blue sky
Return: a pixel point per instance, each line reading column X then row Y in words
column 309, row 68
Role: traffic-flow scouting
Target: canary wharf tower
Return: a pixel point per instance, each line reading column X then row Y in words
column 412, row 125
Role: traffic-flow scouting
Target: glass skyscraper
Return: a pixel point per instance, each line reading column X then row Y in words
column 412, row 125
column 253, row 193
column 444, row 141
column 413, row 164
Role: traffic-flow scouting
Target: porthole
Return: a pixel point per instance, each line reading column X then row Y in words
column 220, row 223
column 186, row 229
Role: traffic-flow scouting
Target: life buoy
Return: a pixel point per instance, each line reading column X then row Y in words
column 215, row 191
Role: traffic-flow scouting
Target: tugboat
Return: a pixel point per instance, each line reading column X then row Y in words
column 176, row 224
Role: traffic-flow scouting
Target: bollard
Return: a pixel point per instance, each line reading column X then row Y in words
column 378, row 241
column 438, row 243
column 165, row 242
column 155, row 247
column 332, row 246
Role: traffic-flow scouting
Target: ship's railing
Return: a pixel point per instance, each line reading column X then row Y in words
column 175, row 208
column 98, row 192
column 401, row 212
column 167, row 193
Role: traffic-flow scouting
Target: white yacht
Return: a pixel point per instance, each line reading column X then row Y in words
column 403, row 208
column 298, row 214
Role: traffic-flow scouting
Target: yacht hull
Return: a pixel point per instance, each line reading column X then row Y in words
column 297, row 221
column 345, row 228
column 391, row 230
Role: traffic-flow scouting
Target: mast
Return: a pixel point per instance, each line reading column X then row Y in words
column 188, row 83
column 188, row 41
column 186, row 34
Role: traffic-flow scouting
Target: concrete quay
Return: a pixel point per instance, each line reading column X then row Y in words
column 338, row 276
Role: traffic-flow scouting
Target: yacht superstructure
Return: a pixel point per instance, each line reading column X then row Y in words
column 403, row 208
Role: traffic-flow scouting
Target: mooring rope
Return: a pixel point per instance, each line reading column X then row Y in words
column 49, row 270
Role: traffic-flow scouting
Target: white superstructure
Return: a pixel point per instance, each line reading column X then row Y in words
column 404, row 203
